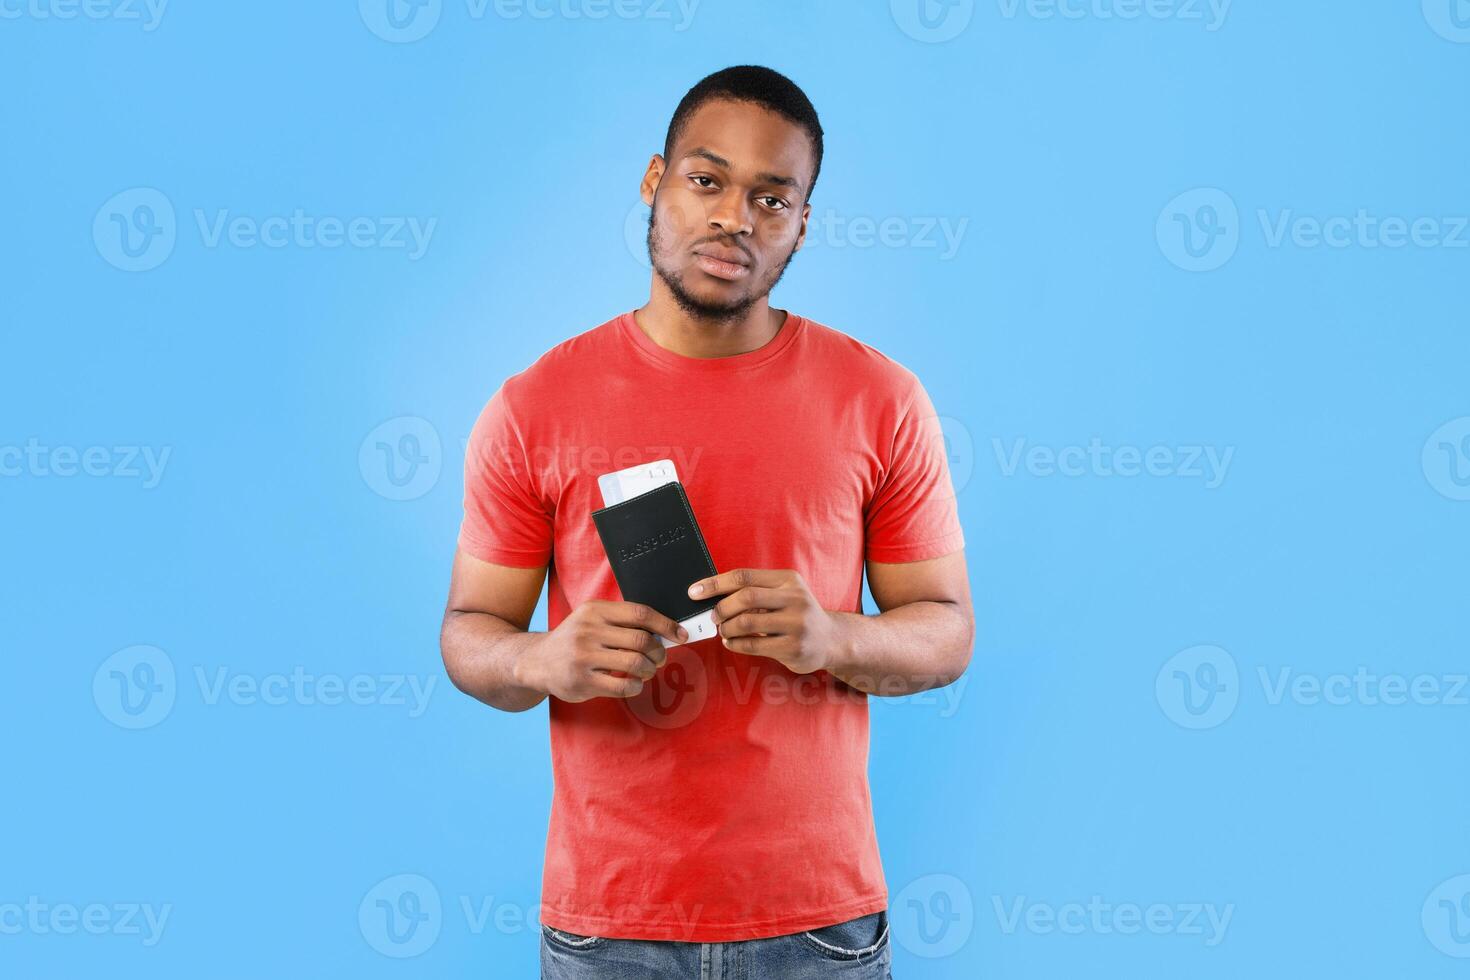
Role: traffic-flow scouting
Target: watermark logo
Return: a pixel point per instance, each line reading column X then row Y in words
column 1199, row 230
column 401, row 916
column 635, row 233
column 933, row 916
column 679, row 690
column 401, row 458
column 675, row 695
column 135, row 687
column 564, row 462
column 1450, row 19
column 136, row 229
column 948, row 442
column 400, row 21
column 1446, row 459
column 932, row 21
column 959, row 453
column 1446, row 917
column 138, row 687
column 1199, row 687
column 407, row 911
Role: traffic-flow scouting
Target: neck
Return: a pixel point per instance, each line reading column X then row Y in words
column 675, row 329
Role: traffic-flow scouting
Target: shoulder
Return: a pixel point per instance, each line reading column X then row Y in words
column 867, row 367
column 560, row 369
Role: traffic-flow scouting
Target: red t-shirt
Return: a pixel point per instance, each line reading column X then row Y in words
column 728, row 800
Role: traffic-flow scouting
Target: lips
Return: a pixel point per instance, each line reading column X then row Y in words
column 723, row 263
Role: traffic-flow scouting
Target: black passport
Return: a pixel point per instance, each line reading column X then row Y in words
column 656, row 550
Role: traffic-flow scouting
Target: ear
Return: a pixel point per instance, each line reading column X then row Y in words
column 651, row 178
column 806, row 213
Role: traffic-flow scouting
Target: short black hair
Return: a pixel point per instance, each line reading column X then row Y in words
column 761, row 86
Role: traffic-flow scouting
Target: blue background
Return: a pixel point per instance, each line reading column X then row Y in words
column 1336, row 539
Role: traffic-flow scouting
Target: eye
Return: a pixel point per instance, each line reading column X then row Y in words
column 698, row 177
column 774, row 203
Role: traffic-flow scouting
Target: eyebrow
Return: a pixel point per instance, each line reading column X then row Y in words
column 761, row 178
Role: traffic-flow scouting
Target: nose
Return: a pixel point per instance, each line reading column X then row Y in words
column 731, row 213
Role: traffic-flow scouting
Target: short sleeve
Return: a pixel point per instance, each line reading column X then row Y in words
column 913, row 514
column 505, row 521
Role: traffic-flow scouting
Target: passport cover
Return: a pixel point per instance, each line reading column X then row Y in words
column 656, row 550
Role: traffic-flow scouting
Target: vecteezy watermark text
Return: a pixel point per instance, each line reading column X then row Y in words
column 137, row 688
column 148, row 13
column 144, row 463
column 1201, row 229
column 301, row 230
column 1100, row 918
column 301, row 687
column 40, row 918
column 1211, row 13
column 832, row 229
column 403, row 915
column 406, row 21
column 1363, row 687
column 937, row 21
column 1201, row 686
column 1207, row 463
column 137, row 229
column 1363, row 229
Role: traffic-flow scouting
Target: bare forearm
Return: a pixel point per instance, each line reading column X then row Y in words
column 909, row 648
column 481, row 653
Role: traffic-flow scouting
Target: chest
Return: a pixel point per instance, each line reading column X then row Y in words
column 774, row 483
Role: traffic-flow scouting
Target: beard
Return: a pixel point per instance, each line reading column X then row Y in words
column 715, row 311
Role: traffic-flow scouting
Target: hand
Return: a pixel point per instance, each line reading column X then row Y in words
column 771, row 613
column 599, row 640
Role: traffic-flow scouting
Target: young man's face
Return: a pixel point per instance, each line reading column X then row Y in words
column 729, row 207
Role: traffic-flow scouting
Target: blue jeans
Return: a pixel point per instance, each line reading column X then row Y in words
column 857, row 949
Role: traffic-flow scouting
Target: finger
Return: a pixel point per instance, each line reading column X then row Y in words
column 645, row 617
column 751, row 623
column 625, row 662
column 750, row 599
column 607, row 686
column 737, row 578
column 653, row 649
column 774, row 647
column 634, row 640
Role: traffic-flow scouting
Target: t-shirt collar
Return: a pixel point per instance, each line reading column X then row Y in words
column 712, row 365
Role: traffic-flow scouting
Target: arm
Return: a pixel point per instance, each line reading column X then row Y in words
column 601, row 649
column 923, row 633
column 921, row 639
column 484, row 634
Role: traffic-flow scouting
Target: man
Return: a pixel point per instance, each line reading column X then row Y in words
column 711, row 815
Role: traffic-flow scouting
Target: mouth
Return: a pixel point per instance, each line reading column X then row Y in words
column 722, row 268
